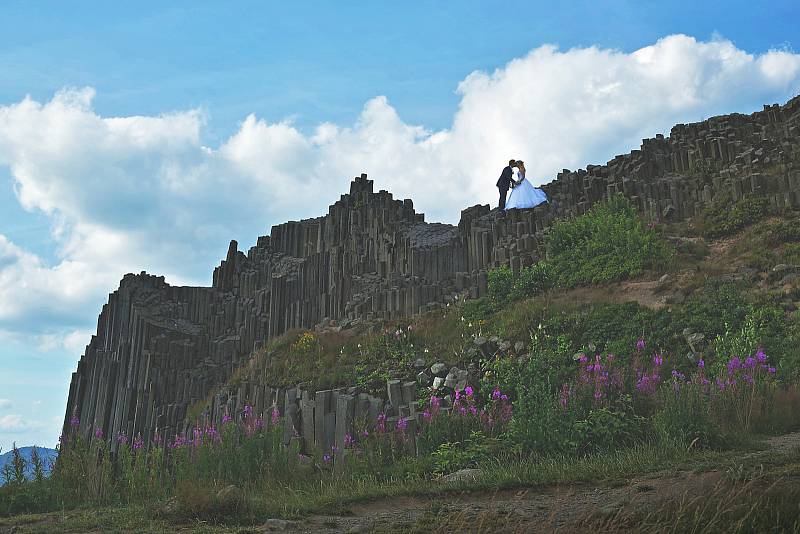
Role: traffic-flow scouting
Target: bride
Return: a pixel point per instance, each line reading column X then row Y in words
column 524, row 195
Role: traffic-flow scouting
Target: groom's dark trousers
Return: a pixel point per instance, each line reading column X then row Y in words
column 503, row 184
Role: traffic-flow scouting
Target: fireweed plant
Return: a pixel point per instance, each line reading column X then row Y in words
column 600, row 402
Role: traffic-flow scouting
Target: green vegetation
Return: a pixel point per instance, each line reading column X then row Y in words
column 591, row 390
column 721, row 220
column 611, row 242
column 607, row 244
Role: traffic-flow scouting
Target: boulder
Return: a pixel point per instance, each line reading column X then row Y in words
column 439, row 369
column 463, row 475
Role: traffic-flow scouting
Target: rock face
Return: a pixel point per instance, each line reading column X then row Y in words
column 159, row 349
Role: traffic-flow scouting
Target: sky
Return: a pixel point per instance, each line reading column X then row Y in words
column 145, row 137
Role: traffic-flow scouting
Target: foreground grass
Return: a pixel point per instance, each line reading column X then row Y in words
column 335, row 494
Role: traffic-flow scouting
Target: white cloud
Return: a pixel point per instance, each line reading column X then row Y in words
column 142, row 193
column 12, row 422
column 5, row 404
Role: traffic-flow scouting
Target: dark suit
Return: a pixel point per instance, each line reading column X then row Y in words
column 506, row 177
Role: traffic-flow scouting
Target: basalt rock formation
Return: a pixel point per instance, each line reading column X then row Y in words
column 160, row 348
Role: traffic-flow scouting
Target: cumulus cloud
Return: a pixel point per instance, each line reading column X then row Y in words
column 12, row 422
column 131, row 193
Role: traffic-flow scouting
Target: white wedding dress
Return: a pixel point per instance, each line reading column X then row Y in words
column 524, row 195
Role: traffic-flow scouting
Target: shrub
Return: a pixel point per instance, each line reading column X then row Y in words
column 501, row 284
column 609, row 243
column 532, row 280
column 720, row 219
column 685, row 417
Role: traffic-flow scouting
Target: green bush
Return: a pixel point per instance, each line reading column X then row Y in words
column 449, row 457
column 609, row 427
column 685, row 417
column 501, row 284
column 609, row 243
column 532, row 280
column 720, row 219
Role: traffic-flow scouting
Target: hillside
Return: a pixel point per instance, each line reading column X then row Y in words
column 656, row 388
column 48, row 457
column 160, row 350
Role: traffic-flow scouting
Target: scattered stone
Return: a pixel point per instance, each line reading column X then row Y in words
column 463, row 475
column 696, row 341
column 519, row 346
column 456, row 379
column 439, row 369
column 438, row 382
column 780, row 271
column 394, row 390
column 503, row 346
column 423, row 379
column 419, row 364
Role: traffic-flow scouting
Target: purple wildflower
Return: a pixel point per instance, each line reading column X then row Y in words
column 640, row 345
column 275, row 416
column 658, row 360
column 74, row 421
column 771, row 370
column 138, row 443
column 326, row 458
column 98, row 433
column 122, row 439
column 565, row 394
column 382, row 422
column 349, row 441
column 468, row 391
column 212, row 433
column 701, row 364
column 402, row 424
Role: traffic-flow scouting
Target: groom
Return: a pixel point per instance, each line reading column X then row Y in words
column 505, row 181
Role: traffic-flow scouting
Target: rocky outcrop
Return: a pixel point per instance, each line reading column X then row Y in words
column 159, row 349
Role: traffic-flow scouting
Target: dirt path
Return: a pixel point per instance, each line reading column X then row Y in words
column 527, row 510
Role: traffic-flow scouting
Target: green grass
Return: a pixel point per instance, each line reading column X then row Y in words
column 335, row 494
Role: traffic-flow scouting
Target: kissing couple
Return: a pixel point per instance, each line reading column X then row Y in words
column 523, row 194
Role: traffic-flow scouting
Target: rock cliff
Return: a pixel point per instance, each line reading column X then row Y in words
column 159, row 349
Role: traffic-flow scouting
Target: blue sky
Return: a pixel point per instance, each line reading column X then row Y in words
column 224, row 107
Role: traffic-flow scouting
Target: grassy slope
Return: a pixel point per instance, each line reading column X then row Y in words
column 342, row 358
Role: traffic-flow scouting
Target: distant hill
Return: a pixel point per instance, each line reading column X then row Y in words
column 47, row 455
